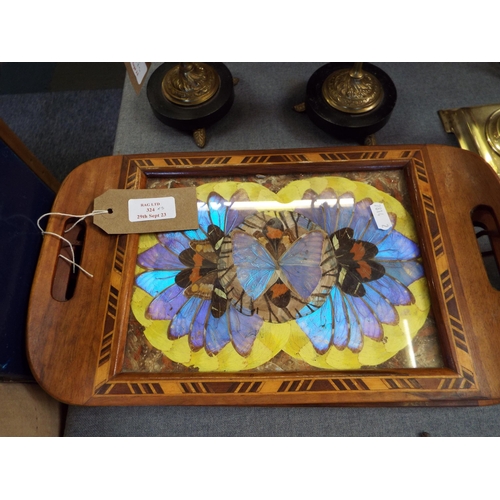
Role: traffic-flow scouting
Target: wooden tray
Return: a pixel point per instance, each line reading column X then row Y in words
column 99, row 341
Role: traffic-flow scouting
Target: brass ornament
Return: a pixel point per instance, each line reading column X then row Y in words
column 190, row 84
column 477, row 129
column 492, row 129
column 300, row 108
column 200, row 137
column 352, row 90
column 370, row 140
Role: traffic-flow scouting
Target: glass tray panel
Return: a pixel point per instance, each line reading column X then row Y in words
column 286, row 273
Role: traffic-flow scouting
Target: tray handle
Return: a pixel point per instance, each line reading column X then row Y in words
column 488, row 236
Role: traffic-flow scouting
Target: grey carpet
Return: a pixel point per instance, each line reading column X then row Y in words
column 64, row 129
column 282, row 422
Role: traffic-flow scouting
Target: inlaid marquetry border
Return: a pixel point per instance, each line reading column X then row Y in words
column 447, row 287
column 194, row 384
column 131, row 180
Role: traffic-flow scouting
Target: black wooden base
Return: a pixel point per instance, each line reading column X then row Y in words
column 343, row 125
column 191, row 118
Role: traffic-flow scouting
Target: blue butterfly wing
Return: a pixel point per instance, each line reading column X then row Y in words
column 341, row 325
column 375, row 235
column 159, row 257
column 311, row 211
column 176, row 241
column 383, row 309
column 191, row 320
column 218, row 333
column 324, row 209
column 167, row 304
column 370, row 326
column 199, row 326
column 406, row 272
column 330, row 209
column 217, row 207
column 395, row 292
column 234, row 217
column 155, row 282
column 243, row 330
column 254, row 264
column 362, row 220
column 318, row 326
column 355, row 342
column 203, row 222
column 395, row 246
column 180, row 324
column 301, row 263
column 233, row 325
column 346, row 210
column 196, row 234
column 204, row 216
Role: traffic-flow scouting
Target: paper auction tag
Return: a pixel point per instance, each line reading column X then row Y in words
column 147, row 210
column 381, row 216
column 144, row 209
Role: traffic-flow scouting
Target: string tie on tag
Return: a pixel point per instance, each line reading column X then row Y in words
column 72, row 261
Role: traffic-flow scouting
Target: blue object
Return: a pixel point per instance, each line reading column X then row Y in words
column 23, row 199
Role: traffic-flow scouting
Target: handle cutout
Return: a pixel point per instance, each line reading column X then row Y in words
column 488, row 238
column 65, row 279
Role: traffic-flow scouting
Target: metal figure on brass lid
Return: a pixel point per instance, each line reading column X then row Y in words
column 353, row 90
column 350, row 101
column 191, row 96
column 189, row 84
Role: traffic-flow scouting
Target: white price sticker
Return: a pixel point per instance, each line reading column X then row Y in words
column 381, row 216
column 147, row 209
column 140, row 69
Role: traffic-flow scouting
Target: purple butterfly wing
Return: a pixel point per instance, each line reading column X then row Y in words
column 395, row 292
column 346, row 210
column 154, row 282
column 191, row 320
column 370, row 326
column 362, row 220
column 396, row 246
column 318, row 326
column 159, row 257
column 382, row 308
column 341, row 325
column 218, row 333
column 243, row 330
column 254, row 265
column 301, row 263
column 406, row 272
column 355, row 342
column 217, row 208
column 167, row 304
column 176, row 241
column 235, row 215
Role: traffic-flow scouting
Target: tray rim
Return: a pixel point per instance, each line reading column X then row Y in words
column 455, row 384
column 403, row 378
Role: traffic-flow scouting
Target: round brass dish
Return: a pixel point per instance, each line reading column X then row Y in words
column 190, row 84
column 352, row 90
column 492, row 128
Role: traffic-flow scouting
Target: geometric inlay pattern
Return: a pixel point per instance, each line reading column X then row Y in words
column 197, row 385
